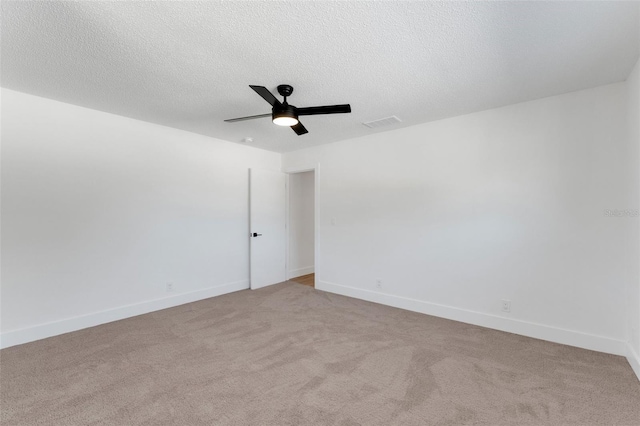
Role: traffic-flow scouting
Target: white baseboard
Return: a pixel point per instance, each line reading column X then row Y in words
column 42, row 331
column 294, row 273
column 524, row 328
column 634, row 360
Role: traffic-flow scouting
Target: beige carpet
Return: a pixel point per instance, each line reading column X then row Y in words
column 291, row 355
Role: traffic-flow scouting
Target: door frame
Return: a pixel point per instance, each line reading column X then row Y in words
column 316, row 215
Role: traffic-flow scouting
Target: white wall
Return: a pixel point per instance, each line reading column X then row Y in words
column 457, row 214
column 100, row 212
column 633, row 230
column 301, row 224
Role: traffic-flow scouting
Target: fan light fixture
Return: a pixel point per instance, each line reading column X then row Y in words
column 285, row 115
column 285, row 121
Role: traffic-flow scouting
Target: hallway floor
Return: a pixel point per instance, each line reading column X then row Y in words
column 309, row 280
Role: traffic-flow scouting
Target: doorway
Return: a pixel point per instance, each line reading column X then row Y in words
column 301, row 230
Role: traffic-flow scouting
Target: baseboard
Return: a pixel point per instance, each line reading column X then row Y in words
column 634, row 360
column 524, row 328
column 42, row 331
column 295, row 273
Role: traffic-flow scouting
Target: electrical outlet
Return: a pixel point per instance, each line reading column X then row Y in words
column 506, row 305
column 169, row 287
column 379, row 283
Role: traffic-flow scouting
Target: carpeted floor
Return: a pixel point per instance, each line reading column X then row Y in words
column 291, row 355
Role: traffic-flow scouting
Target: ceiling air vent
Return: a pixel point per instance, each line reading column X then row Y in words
column 382, row 122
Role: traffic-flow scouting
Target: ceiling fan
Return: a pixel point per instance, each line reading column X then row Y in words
column 284, row 114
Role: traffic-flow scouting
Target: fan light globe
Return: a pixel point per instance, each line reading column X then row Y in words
column 285, row 121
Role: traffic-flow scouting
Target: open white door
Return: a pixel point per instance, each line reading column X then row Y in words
column 267, row 207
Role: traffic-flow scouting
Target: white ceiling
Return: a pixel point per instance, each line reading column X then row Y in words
column 188, row 64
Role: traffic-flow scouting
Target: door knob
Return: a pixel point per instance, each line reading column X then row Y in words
column 255, row 234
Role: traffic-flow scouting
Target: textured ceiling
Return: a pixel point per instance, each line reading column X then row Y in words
column 189, row 64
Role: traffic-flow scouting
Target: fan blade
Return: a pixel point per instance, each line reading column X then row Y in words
column 251, row 117
column 266, row 94
column 329, row 109
column 299, row 129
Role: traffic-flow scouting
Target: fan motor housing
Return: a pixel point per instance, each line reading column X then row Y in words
column 284, row 110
